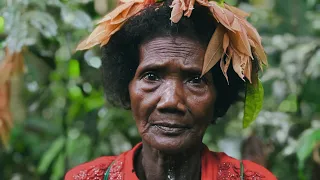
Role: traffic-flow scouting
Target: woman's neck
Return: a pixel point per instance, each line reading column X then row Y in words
column 152, row 164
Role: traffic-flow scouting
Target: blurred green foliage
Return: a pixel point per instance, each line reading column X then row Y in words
column 62, row 120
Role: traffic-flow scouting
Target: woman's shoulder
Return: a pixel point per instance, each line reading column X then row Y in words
column 229, row 166
column 90, row 170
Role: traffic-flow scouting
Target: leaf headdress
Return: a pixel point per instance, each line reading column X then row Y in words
column 235, row 41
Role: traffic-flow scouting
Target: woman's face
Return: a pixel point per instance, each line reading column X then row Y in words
column 172, row 105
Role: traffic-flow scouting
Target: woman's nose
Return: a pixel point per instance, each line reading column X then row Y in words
column 172, row 98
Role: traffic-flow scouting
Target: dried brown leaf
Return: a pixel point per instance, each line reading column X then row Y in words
column 131, row 11
column 220, row 14
column 119, row 19
column 252, row 32
column 237, row 11
column 224, row 65
column 135, row 9
column 97, row 36
column 258, row 51
column 236, row 24
column 240, row 41
column 83, row 45
column 116, row 12
column 126, row 11
column 237, row 65
column 261, row 55
column 111, row 23
column 5, row 115
column 214, row 50
column 248, row 70
column 147, row 2
column 6, row 69
column 137, row 1
column 18, row 64
column 106, row 40
column 5, row 73
column 190, row 8
column 177, row 11
column 203, row 2
column 184, row 4
column 226, row 42
column 98, row 32
column 4, row 96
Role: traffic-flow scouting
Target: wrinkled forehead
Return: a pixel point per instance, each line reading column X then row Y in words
column 181, row 50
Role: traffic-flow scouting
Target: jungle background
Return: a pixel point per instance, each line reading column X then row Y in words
column 60, row 118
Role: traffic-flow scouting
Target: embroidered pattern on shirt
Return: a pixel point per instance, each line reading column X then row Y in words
column 116, row 170
column 93, row 173
column 229, row 171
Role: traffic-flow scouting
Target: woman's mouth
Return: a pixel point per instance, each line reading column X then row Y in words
column 171, row 129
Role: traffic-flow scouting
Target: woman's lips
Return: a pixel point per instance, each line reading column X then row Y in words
column 171, row 129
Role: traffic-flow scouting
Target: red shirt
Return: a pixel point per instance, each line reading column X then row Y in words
column 214, row 166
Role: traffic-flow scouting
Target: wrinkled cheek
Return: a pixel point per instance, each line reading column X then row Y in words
column 140, row 119
column 203, row 108
column 143, row 104
column 141, row 115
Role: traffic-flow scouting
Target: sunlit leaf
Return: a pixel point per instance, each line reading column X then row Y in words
column 58, row 167
column 253, row 102
column 306, row 143
column 73, row 111
column 74, row 68
column 1, row 24
column 75, row 93
column 51, row 154
column 289, row 105
column 94, row 101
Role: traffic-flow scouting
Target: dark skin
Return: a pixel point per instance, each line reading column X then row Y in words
column 172, row 106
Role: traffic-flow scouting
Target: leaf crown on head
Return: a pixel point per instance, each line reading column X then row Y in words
column 235, row 42
column 235, row 38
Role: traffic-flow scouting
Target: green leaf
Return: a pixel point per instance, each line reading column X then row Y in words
column 44, row 22
column 253, row 102
column 18, row 37
column 75, row 93
column 306, row 142
column 58, row 167
column 1, row 24
column 311, row 3
column 63, row 54
column 94, row 101
column 78, row 19
column 77, row 147
column 51, row 154
column 74, row 68
column 73, row 111
column 220, row 2
column 289, row 105
column 241, row 171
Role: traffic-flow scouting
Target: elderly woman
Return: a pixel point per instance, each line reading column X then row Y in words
column 178, row 65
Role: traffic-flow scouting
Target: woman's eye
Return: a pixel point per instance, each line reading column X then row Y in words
column 151, row 76
column 197, row 80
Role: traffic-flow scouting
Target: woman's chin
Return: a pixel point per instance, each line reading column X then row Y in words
column 172, row 144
